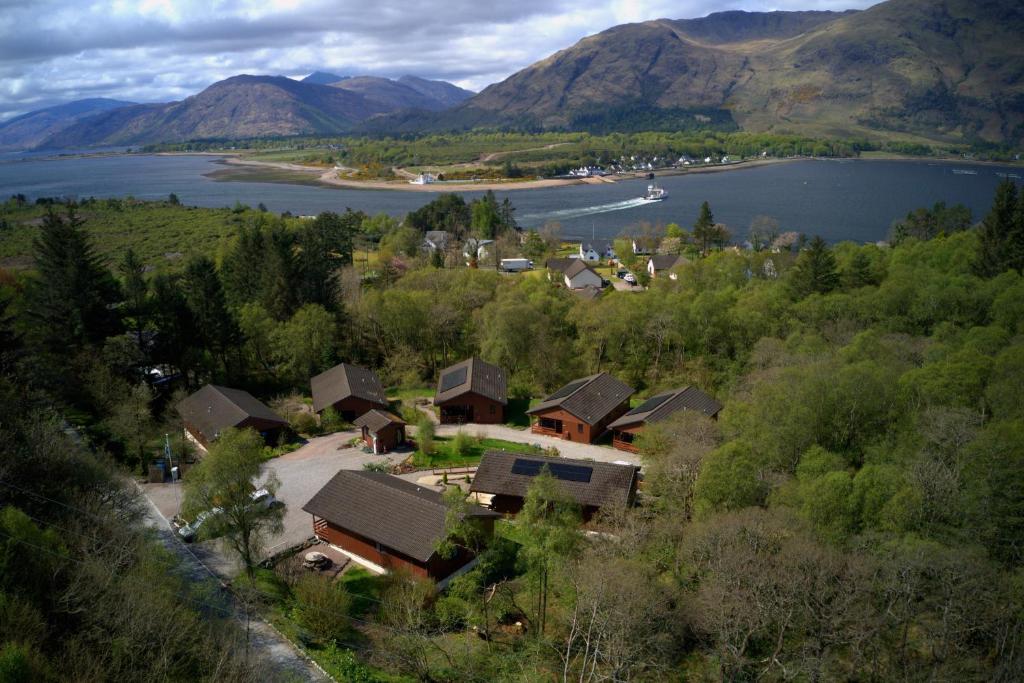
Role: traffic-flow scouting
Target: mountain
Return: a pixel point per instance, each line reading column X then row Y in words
column 442, row 91
column 238, row 107
column 408, row 92
column 28, row 130
column 949, row 70
column 322, row 78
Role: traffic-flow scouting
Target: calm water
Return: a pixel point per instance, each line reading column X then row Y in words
column 839, row 200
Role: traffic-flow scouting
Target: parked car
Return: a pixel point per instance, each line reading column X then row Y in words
column 189, row 532
column 621, row 273
column 630, row 278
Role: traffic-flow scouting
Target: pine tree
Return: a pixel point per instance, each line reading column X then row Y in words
column 997, row 250
column 1015, row 242
column 215, row 328
column 704, row 228
column 859, row 274
column 136, row 291
column 814, row 270
column 69, row 304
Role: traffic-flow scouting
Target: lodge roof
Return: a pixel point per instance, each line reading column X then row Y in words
column 393, row 512
column 663, row 405
column 588, row 398
column 214, row 408
column 472, row 376
column 589, row 483
column 343, row 381
column 376, row 420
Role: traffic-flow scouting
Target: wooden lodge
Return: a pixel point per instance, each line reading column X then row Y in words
column 657, row 408
column 349, row 389
column 471, row 391
column 212, row 409
column 381, row 430
column 388, row 524
column 582, row 409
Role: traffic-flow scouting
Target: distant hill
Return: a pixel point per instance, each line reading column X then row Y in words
column 323, row 78
column 28, row 130
column 408, row 92
column 949, row 70
column 238, row 107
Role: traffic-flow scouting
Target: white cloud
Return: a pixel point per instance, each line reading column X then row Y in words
column 53, row 51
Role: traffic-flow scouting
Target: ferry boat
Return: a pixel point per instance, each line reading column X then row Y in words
column 655, row 194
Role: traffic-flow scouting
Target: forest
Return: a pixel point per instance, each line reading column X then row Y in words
column 857, row 512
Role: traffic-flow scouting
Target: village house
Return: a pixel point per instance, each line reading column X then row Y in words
column 477, row 249
column 582, row 409
column 642, row 247
column 388, row 524
column 665, row 263
column 349, row 389
column 504, row 477
column 593, row 253
column 212, row 409
column 381, row 430
column 657, row 408
column 579, row 275
column 436, row 240
column 471, row 391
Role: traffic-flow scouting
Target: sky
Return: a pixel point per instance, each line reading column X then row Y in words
column 54, row 51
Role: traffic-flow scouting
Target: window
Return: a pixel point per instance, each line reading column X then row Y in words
column 579, row 427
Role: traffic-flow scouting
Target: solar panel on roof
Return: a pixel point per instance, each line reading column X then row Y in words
column 567, row 389
column 650, row 404
column 563, row 471
column 453, row 379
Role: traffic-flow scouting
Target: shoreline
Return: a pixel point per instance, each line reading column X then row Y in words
column 329, row 177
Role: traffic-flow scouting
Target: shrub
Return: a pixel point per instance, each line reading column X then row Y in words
column 331, row 421
column 321, row 607
column 425, row 436
column 375, row 466
column 462, row 443
column 304, row 423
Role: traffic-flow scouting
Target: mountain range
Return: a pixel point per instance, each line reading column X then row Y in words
column 35, row 127
column 927, row 70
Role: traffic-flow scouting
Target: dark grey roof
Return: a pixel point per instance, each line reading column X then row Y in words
column 472, row 375
column 666, row 261
column 391, row 511
column 659, row 407
column 343, row 381
column 578, row 267
column 588, row 398
column 560, row 264
column 213, row 409
column 607, row 483
column 376, row 420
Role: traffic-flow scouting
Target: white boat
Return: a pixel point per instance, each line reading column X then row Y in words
column 655, row 194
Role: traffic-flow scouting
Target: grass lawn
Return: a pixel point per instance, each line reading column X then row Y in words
column 444, row 455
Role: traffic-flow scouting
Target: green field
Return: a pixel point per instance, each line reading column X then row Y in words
column 444, row 454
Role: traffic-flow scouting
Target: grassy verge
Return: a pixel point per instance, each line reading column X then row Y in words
column 446, row 455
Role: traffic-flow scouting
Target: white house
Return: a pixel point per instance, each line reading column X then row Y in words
column 593, row 253
column 579, row 275
column 640, row 248
column 662, row 263
column 423, row 179
column 476, row 248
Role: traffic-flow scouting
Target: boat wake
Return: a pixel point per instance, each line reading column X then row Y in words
column 564, row 214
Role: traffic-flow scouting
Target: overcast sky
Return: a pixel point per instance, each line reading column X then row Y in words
column 54, row 51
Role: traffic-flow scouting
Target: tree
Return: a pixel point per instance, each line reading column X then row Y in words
column 223, row 482
column 425, row 435
column 215, row 327
column 131, row 421
column 322, row 606
column 136, row 292
column 764, row 230
column 730, row 479
column 534, row 247
column 998, row 247
column 858, row 272
column 814, row 271
column 486, row 216
column 307, row 343
column 325, row 245
column 549, row 519
column 926, row 224
column 704, row 229
column 69, row 303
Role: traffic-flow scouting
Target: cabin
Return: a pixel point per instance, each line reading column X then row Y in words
column 658, row 408
column 579, row 275
column 212, row 409
column 504, row 477
column 664, row 263
column 381, row 430
column 388, row 524
column 349, row 389
column 472, row 391
column 582, row 409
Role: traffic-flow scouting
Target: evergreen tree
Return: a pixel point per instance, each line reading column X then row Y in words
column 176, row 342
column 214, row 327
column 1015, row 243
column 242, row 265
column 858, row 273
column 814, row 270
column 69, row 304
column 997, row 235
column 325, row 245
column 704, row 228
column 485, row 216
column 136, row 292
column 508, row 218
